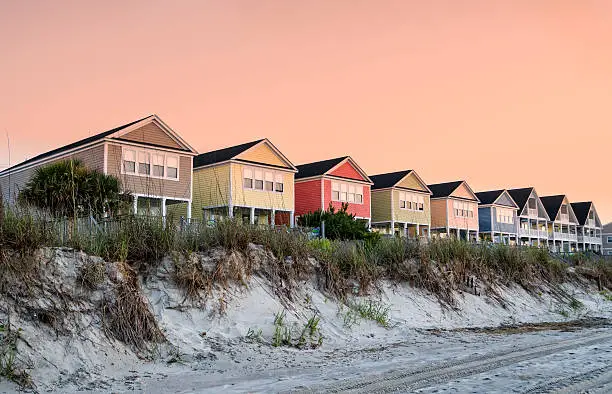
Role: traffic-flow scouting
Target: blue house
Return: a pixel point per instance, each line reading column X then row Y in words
column 497, row 217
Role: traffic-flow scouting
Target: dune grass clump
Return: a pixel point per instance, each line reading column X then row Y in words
column 128, row 317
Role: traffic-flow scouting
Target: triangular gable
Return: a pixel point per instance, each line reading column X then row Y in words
column 464, row 191
column 570, row 210
column 265, row 153
column 414, row 182
column 506, row 200
column 541, row 209
column 597, row 220
column 347, row 168
column 152, row 130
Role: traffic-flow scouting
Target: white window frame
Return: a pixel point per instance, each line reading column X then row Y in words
column 149, row 154
column 276, row 177
column 609, row 239
column 345, row 190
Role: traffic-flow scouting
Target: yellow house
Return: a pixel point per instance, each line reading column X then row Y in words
column 400, row 204
column 252, row 181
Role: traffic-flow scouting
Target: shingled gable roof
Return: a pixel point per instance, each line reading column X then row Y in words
column 552, row 204
column 520, row 196
column 318, row 167
column 224, row 154
column 581, row 210
column 76, row 144
column 445, row 189
column 390, row 179
column 489, row 197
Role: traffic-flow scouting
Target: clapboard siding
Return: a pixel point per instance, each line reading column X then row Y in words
column 151, row 133
column 381, row 205
column 308, row 196
column 210, row 188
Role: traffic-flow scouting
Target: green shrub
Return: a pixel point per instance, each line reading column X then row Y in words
column 339, row 224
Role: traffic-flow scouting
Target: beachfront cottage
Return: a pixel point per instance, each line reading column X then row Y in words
column 252, row 181
column 589, row 226
column 454, row 210
column 152, row 161
column 532, row 217
column 562, row 228
column 334, row 181
column 400, row 204
column 497, row 217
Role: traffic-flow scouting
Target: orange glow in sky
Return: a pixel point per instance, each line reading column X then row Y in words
column 503, row 94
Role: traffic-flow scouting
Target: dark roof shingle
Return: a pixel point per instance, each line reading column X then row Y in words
column 76, row 144
column 520, row 196
column 443, row 189
column 489, row 197
column 581, row 210
column 224, row 154
column 552, row 205
column 390, row 179
column 317, row 168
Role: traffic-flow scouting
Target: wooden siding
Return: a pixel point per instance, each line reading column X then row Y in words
column 463, row 192
column 151, row 186
column 484, row 219
column 151, row 133
column 307, row 196
column 210, row 188
column 346, row 170
column 505, row 200
column 438, row 213
column 284, row 201
column 10, row 185
column 409, row 216
column 359, row 210
column 460, row 221
column 504, row 227
column 262, row 153
column 381, row 205
column 412, row 182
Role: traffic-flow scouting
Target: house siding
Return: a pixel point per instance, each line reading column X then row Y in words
column 151, row 133
column 210, row 188
column 10, row 185
column 411, row 182
column 484, row 219
column 409, row 216
column 307, row 196
column 438, row 213
column 503, row 227
column 346, row 170
column 381, row 205
column 359, row 210
column 262, row 154
column 284, row 201
column 459, row 221
column 151, row 186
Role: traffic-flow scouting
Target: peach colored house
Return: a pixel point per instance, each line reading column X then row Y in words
column 454, row 210
column 152, row 161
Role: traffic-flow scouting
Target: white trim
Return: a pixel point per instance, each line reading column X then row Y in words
column 274, row 149
column 405, row 189
column 327, row 176
column 146, row 146
column 150, row 174
column 105, row 165
column 245, row 163
column 355, row 166
column 160, row 197
column 154, row 119
column 505, row 191
column 323, row 194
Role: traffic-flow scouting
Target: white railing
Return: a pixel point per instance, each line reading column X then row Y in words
column 530, row 232
column 532, row 212
column 590, row 240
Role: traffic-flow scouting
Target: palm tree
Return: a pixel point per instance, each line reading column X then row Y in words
column 68, row 188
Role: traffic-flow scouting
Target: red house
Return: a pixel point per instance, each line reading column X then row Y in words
column 332, row 181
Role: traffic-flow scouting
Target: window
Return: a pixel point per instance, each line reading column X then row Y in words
column 505, row 215
column 259, row 183
column 129, row 161
column 279, row 185
column 172, row 167
column 258, row 179
column 248, row 178
column 335, row 191
column 411, row 201
column 149, row 163
column 345, row 192
column 269, row 185
column 158, row 165
column 144, row 167
column 532, row 203
column 609, row 240
column 463, row 209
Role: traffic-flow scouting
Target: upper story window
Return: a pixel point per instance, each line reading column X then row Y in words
column 564, row 213
column 609, row 239
column 154, row 164
column 411, row 201
column 505, row 215
column 259, row 179
column 346, row 192
column 463, row 209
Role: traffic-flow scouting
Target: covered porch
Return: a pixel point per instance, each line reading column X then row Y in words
column 402, row 229
column 250, row 215
column 179, row 209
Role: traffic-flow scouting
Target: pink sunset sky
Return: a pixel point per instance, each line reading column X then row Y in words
column 502, row 94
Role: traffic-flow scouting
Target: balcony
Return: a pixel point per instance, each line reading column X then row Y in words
column 589, row 240
column 559, row 236
column 532, row 232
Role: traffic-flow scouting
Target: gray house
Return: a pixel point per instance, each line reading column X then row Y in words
column 497, row 217
column 532, row 217
column 563, row 227
column 589, row 226
column 606, row 245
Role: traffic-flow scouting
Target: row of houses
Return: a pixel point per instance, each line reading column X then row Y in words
column 257, row 183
